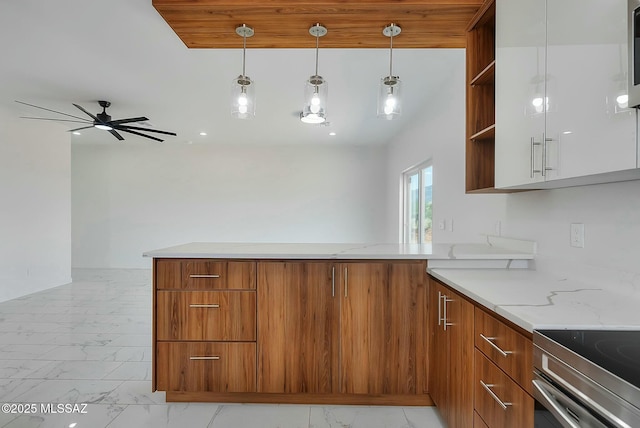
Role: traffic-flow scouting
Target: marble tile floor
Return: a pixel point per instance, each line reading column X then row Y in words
column 79, row 356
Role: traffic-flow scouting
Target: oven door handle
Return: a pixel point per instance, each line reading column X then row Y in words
column 552, row 405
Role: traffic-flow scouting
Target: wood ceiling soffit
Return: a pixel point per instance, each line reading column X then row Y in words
column 352, row 24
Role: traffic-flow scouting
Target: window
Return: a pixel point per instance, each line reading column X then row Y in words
column 418, row 203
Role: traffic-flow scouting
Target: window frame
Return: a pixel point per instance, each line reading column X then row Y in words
column 406, row 200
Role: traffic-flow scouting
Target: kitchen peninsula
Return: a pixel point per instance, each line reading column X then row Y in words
column 301, row 323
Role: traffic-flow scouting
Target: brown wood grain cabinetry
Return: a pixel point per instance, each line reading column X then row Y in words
column 206, row 366
column 504, row 364
column 379, row 327
column 297, row 327
column 341, row 328
column 206, row 315
column 205, row 274
column 508, row 349
column 204, row 328
column 499, row 400
column 451, row 350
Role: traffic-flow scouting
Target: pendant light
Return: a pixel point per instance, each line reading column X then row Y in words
column 390, row 89
column 243, row 100
column 316, row 88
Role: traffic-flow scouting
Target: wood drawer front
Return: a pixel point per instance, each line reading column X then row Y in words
column 206, row 315
column 205, row 274
column 519, row 411
column 478, row 422
column 517, row 362
column 200, row 366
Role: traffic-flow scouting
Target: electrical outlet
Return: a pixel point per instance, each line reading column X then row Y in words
column 450, row 225
column 441, row 224
column 577, row 235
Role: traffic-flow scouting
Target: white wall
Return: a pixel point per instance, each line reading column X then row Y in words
column 440, row 136
column 35, row 218
column 132, row 197
column 610, row 212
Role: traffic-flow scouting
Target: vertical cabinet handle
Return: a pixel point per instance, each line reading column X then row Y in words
column 545, row 168
column 439, row 308
column 501, row 403
column 346, row 283
column 333, row 281
column 445, row 300
column 533, row 144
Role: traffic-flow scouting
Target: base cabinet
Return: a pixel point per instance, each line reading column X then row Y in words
column 296, row 331
column 451, row 351
column 341, row 328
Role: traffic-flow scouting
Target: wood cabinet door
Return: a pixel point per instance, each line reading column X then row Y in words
column 378, row 332
column 438, row 351
column 297, row 327
column 459, row 316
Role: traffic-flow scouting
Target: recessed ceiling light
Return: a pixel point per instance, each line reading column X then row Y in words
column 76, row 133
column 203, row 134
column 332, row 134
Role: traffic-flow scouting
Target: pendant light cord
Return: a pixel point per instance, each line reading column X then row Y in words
column 317, row 47
column 244, row 50
column 391, row 52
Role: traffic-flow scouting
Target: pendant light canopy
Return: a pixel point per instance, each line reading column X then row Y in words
column 316, row 88
column 243, row 100
column 390, row 89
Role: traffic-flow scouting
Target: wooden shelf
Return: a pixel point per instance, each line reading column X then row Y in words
column 488, row 133
column 481, row 119
column 486, row 76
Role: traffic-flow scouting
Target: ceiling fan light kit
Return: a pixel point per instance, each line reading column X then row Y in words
column 316, row 88
column 390, row 88
column 243, row 98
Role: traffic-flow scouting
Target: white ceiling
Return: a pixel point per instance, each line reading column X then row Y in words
column 54, row 53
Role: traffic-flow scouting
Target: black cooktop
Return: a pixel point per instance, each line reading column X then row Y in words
column 616, row 351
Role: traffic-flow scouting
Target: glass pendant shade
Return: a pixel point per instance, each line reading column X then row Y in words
column 389, row 98
column 243, row 99
column 316, row 91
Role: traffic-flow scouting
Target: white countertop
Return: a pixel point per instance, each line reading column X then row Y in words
column 536, row 300
column 478, row 251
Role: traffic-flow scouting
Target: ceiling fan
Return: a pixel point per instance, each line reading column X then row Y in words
column 103, row 121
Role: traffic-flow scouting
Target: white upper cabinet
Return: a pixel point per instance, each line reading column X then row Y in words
column 571, row 77
column 587, row 57
column 520, row 69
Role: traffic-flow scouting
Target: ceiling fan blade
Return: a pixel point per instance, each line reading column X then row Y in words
column 131, row 119
column 57, row 120
column 140, row 134
column 115, row 134
column 87, row 113
column 138, row 128
column 77, row 129
column 53, row 111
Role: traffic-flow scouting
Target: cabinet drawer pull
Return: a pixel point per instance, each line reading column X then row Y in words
column 496, row 347
column 214, row 357
column 439, row 308
column 488, row 387
column 333, row 281
column 197, row 275
column 445, row 300
column 201, row 305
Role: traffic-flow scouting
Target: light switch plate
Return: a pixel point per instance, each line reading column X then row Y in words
column 577, row 235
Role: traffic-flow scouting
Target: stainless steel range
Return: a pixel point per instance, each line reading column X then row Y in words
column 587, row 378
